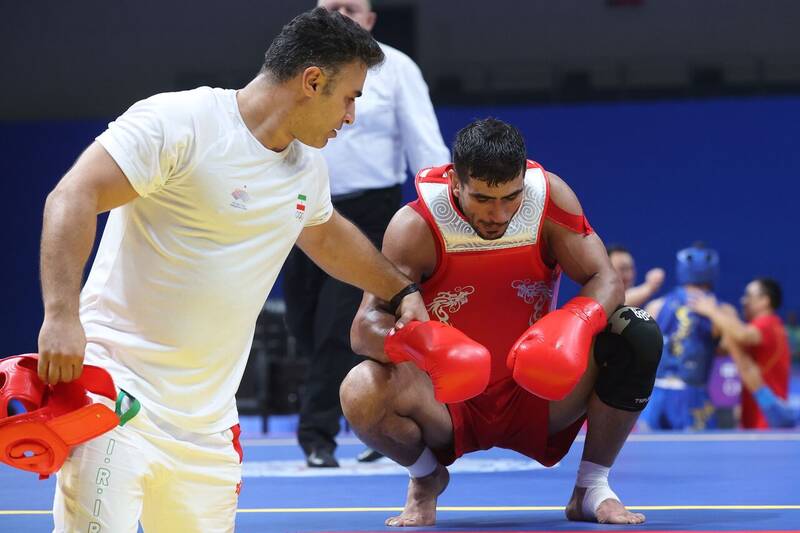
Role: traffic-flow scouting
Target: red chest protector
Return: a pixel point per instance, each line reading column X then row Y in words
column 57, row 418
column 492, row 290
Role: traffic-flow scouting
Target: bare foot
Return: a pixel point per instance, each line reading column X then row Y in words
column 420, row 509
column 611, row 511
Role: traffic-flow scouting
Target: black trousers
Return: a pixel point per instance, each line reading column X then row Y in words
column 319, row 313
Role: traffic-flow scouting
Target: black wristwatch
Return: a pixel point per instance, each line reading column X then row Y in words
column 394, row 303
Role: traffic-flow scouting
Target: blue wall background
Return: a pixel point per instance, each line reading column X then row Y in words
column 658, row 176
column 652, row 176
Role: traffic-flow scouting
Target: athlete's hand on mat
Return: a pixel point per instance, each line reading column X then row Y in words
column 549, row 359
column 62, row 343
column 412, row 307
column 458, row 366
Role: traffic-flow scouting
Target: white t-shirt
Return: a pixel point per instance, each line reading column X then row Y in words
column 395, row 128
column 183, row 271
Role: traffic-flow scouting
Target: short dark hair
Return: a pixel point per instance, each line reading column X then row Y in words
column 617, row 249
column 489, row 150
column 319, row 38
column 772, row 290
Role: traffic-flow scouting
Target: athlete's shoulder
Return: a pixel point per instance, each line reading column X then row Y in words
column 408, row 223
column 562, row 195
column 563, row 209
column 433, row 174
column 408, row 228
column 558, row 186
column 409, row 242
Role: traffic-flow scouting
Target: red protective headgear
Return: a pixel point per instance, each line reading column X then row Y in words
column 57, row 418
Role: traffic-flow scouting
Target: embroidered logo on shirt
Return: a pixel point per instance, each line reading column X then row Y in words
column 447, row 302
column 536, row 293
column 300, row 208
column 240, row 198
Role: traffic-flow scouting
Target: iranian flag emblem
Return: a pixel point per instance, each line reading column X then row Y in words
column 301, row 206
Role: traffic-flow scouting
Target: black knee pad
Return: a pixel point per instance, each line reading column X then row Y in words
column 627, row 353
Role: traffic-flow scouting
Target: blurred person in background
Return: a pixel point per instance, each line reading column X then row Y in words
column 760, row 348
column 680, row 399
column 396, row 130
column 623, row 263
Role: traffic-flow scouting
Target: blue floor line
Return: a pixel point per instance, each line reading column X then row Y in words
column 721, row 469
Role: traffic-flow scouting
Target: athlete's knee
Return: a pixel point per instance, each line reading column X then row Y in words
column 627, row 355
column 365, row 392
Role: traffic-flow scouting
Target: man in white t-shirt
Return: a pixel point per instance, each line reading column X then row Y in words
column 368, row 162
column 208, row 190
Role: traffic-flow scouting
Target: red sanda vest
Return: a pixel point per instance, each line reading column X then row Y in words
column 492, row 290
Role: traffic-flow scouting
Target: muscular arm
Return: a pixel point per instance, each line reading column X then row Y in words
column 738, row 331
column 408, row 243
column 341, row 250
column 582, row 257
column 93, row 185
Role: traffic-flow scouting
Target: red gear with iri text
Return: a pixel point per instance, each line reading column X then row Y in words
column 493, row 290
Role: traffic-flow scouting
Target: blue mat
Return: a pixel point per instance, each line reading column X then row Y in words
column 716, row 481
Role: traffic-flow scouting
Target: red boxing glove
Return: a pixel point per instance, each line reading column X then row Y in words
column 549, row 359
column 458, row 366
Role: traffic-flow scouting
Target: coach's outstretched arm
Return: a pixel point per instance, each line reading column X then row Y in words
column 93, row 185
column 408, row 244
column 340, row 249
column 458, row 367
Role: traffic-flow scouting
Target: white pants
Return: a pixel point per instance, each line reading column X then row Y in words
column 170, row 480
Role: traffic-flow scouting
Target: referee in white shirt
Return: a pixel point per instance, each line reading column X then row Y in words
column 396, row 131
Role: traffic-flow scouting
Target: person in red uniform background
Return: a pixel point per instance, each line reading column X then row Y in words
column 487, row 239
column 764, row 339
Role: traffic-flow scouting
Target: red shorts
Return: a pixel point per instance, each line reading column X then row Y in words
column 506, row 416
